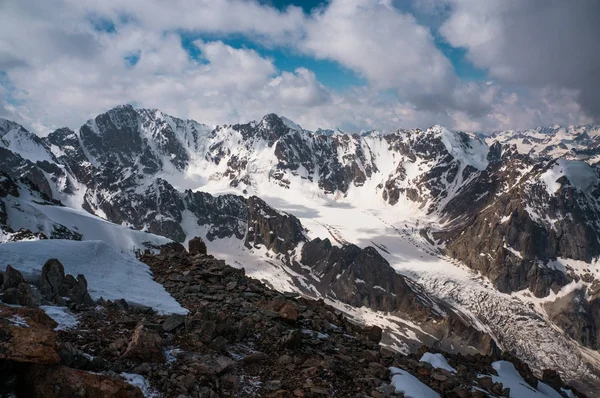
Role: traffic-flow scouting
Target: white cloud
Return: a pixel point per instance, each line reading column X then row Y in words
column 387, row 47
column 59, row 70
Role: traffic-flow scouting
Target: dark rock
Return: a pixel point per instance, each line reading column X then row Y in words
column 12, row 278
column 197, row 246
column 173, row 322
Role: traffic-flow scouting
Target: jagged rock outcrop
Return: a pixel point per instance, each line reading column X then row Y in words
column 362, row 277
column 275, row 230
column 56, row 286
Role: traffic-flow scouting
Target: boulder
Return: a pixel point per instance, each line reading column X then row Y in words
column 12, row 278
column 76, row 290
column 53, row 275
column 173, row 322
column 27, row 335
column 60, row 381
column 172, row 247
column 197, row 246
column 146, row 345
column 289, row 312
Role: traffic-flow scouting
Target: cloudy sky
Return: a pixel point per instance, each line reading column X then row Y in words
column 353, row 64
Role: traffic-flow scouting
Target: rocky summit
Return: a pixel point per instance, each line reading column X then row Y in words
column 239, row 339
column 467, row 244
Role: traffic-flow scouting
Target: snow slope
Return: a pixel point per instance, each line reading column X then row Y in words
column 510, row 378
column 110, row 273
column 28, row 213
column 408, row 384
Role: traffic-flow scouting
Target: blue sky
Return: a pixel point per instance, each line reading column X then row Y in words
column 351, row 64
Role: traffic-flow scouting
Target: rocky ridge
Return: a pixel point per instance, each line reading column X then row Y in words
column 240, row 338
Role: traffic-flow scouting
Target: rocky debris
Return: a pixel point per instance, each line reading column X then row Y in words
column 146, row 345
column 197, row 246
column 240, row 339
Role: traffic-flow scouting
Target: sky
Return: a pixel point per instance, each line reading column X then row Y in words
column 355, row 65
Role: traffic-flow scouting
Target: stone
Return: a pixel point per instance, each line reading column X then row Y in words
column 27, row 335
column 12, row 278
column 146, row 345
column 51, row 281
column 197, row 246
column 284, row 359
column 272, row 385
column 24, row 294
column 289, row 312
column 293, row 339
column 378, row 370
column 173, row 322
column 61, row 381
column 212, row 364
column 54, row 285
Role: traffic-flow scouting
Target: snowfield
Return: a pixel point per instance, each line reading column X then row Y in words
column 110, row 273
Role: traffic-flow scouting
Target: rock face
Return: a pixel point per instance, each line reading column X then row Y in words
column 362, row 277
column 578, row 316
column 490, row 196
column 277, row 231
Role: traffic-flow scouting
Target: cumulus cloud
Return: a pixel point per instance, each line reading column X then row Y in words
column 63, row 61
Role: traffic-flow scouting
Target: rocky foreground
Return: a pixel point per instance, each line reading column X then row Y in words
column 239, row 339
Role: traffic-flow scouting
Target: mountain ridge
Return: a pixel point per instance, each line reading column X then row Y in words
column 437, row 206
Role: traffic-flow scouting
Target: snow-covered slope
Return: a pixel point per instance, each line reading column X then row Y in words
column 110, row 274
column 572, row 142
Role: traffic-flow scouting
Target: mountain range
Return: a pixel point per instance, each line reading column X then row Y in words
column 471, row 243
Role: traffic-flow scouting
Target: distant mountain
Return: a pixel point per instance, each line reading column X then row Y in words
column 470, row 239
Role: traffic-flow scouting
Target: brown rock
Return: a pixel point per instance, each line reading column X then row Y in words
column 60, row 381
column 27, row 335
column 146, row 345
column 289, row 312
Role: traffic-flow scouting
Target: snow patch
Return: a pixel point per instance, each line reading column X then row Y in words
column 437, row 361
column 408, row 384
column 579, row 174
column 61, row 315
column 141, row 382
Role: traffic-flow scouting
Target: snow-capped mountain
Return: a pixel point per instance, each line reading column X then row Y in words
column 432, row 234
column 572, row 142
